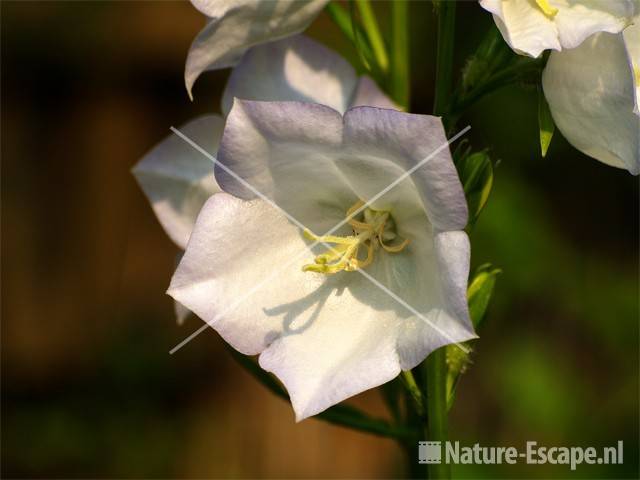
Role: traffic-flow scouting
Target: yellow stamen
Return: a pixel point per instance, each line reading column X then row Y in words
column 394, row 248
column 546, row 8
column 344, row 255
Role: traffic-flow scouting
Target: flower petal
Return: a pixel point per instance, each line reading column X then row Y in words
column 632, row 42
column 182, row 312
column 237, row 25
column 529, row 30
column 243, row 259
column 177, row 179
column 576, row 21
column 295, row 154
column 591, row 96
column 524, row 27
column 285, row 150
column 241, row 274
column 297, row 69
column 380, row 145
column 345, row 349
column 369, row 94
column 326, row 338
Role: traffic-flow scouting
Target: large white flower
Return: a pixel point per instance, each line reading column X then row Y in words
column 234, row 26
column 178, row 179
column 532, row 26
column 592, row 92
column 327, row 331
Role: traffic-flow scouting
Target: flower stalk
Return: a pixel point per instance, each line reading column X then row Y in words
column 437, row 429
column 444, row 57
column 400, row 80
column 436, row 363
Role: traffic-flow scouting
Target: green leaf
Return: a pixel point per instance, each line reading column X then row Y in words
column 476, row 174
column 545, row 123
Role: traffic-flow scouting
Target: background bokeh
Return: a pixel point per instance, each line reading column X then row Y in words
column 88, row 386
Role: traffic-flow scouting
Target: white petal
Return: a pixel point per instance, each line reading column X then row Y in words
column 241, row 273
column 381, row 145
column 292, row 69
column 237, row 25
column 576, row 21
column 523, row 25
column 244, row 258
column 591, row 96
column 326, row 338
column 298, row 155
column 182, row 312
column 369, row 94
column 286, row 151
column 632, row 42
column 178, row 179
column 528, row 30
column 343, row 347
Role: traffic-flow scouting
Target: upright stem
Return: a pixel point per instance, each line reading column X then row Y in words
column 444, row 58
column 436, row 363
column 400, row 81
column 437, row 431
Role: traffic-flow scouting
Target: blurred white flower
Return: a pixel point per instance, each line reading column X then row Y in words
column 326, row 331
column 234, row 26
column 532, row 26
column 592, row 91
column 178, row 179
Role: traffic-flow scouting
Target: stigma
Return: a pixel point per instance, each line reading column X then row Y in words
column 370, row 233
column 546, row 8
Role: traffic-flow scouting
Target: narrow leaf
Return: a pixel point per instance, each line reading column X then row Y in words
column 545, row 123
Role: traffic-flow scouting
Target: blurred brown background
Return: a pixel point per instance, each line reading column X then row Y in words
column 89, row 389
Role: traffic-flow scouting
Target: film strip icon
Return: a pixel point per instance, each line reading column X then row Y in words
column 429, row 452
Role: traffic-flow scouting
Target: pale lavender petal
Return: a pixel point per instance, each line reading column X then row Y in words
column 293, row 69
column 237, row 25
column 177, row 179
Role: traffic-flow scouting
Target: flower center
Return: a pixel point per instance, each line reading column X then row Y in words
column 546, row 8
column 368, row 232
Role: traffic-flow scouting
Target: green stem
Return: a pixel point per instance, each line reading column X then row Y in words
column 444, row 58
column 372, row 29
column 400, row 81
column 436, row 366
column 436, row 363
column 504, row 77
column 410, row 384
